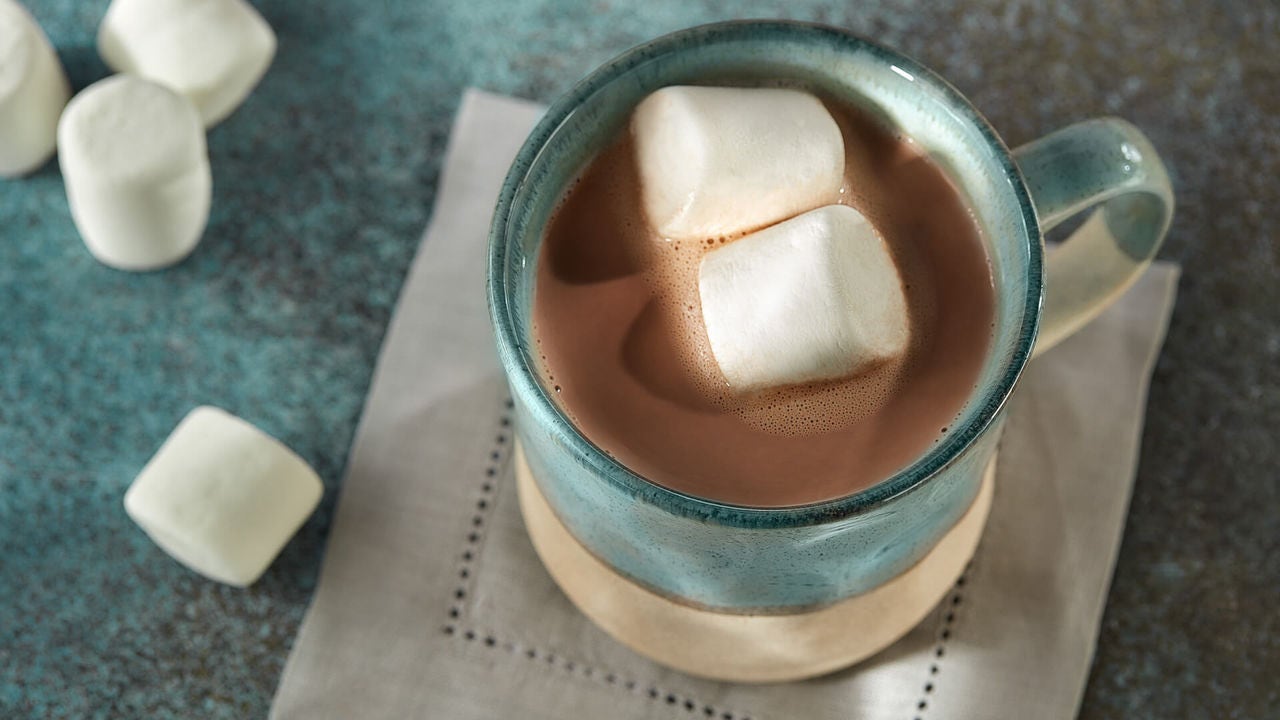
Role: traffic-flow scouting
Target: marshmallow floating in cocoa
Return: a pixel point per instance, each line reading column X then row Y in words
column 716, row 161
column 812, row 298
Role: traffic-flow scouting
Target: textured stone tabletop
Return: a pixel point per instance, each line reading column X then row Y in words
column 323, row 182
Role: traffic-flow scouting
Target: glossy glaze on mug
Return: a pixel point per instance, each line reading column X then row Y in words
column 740, row 558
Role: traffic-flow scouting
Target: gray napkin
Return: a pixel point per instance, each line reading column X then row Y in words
column 431, row 602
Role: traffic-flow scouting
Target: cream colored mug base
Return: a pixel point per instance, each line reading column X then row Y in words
column 748, row 648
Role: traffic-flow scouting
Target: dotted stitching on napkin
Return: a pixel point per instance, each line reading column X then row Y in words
column 479, row 520
column 950, row 606
column 598, row 675
column 484, row 503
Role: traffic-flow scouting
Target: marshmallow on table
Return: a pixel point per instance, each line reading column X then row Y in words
column 715, row 161
column 137, row 173
column 812, row 298
column 222, row 497
column 33, row 91
column 212, row 51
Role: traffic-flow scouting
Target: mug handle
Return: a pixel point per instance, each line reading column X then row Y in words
column 1108, row 163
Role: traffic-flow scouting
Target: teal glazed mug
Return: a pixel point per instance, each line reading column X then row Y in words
column 769, row 561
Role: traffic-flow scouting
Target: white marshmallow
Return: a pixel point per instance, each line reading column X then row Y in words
column 137, row 173
column 33, row 91
column 222, row 497
column 812, row 298
column 716, row 161
column 212, row 51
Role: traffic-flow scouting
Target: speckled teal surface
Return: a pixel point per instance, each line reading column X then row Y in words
column 322, row 184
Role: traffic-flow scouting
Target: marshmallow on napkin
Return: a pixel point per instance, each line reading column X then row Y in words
column 716, row 161
column 222, row 497
column 812, row 298
column 33, row 91
column 212, row 51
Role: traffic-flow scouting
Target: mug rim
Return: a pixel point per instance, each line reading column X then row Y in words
column 523, row 377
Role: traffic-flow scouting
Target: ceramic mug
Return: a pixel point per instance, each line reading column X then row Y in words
column 749, row 560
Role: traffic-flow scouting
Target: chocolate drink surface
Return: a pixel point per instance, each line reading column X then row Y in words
column 622, row 345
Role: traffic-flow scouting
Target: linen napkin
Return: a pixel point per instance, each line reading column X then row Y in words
column 432, row 603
